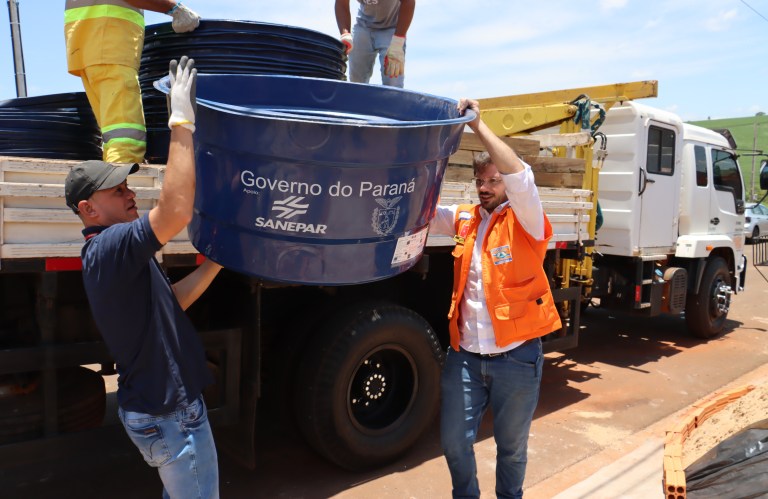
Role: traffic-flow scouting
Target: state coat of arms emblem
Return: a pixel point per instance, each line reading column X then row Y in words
column 384, row 219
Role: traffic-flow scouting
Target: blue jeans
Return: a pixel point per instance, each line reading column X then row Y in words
column 180, row 445
column 367, row 43
column 509, row 384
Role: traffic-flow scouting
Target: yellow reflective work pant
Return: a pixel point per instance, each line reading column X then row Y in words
column 115, row 96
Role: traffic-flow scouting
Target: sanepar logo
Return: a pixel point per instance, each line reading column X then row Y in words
column 290, row 207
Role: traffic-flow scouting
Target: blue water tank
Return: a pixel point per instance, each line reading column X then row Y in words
column 315, row 181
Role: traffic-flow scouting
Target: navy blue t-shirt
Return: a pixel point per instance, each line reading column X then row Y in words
column 159, row 355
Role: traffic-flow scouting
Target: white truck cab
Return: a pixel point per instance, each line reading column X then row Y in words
column 672, row 200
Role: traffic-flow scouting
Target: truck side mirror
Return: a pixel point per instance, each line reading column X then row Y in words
column 740, row 206
column 764, row 175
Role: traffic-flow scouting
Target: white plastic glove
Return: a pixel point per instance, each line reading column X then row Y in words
column 183, row 75
column 346, row 39
column 394, row 61
column 184, row 18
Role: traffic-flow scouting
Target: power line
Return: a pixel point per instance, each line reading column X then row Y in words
column 753, row 10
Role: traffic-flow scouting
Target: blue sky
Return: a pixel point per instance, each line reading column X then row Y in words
column 709, row 56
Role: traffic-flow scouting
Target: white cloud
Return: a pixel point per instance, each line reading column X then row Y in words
column 722, row 21
column 612, row 4
column 653, row 23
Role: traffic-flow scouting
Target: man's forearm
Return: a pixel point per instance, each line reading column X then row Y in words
column 405, row 16
column 161, row 6
column 175, row 206
column 343, row 16
column 189, row 289
column 504, row 157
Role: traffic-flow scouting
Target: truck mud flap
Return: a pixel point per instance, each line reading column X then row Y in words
column 235, row 426
column 568, row 336
column 233, row 412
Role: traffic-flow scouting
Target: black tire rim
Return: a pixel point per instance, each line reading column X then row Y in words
column 382, row 389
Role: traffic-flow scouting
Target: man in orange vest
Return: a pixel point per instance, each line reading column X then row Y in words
column 105, row 39
column 501, row 306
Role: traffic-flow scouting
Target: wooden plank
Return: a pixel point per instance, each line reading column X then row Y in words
column 549, row 171
column 462, row 172
column 573, row 218
column 521, row 145
column 458, row 185
column 559, row 179
column 31, row 165
column 36, row 162
column 72, row 249
column 28, row 189
column 39, row 215
column 551, row 164
column 566, row 205
column 463, row 158
column 563, row 139
column 457, row 173
column 47, row 250
column 568, row 193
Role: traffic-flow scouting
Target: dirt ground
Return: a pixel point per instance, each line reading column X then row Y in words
column 748, row 409
column 608, row 401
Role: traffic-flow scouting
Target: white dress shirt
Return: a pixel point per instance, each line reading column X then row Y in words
column 475, row 325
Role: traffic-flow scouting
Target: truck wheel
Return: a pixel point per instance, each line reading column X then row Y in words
column 369, row 385
column 706, row 311
column 81, row 402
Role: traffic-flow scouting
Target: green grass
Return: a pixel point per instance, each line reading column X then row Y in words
column 750, row 133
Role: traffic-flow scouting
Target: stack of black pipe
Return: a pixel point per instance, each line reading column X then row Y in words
column 230, row 47
column 58, row 126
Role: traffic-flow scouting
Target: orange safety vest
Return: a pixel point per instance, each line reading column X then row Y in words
column 517, row 291
column 102, row 32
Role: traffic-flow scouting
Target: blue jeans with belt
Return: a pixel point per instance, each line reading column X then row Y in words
column 180, row 445
column 508, row 383
column 367, row 44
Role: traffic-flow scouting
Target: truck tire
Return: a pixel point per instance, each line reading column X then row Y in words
column 81, row 403
column 703, row 314
column 368, row 385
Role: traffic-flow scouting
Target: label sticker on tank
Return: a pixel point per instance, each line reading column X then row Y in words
column 409, row 247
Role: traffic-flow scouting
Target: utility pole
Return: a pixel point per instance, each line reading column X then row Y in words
column 18, row 52
column 754, row 148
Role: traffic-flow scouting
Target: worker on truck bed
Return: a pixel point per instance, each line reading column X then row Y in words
column 105, row 39
column 380, row 28
column 501, row 306
column 160, row 358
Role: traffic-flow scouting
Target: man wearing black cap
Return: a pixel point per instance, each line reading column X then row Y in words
column 160, row 358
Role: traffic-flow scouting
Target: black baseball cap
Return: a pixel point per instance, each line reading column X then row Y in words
column 91, row 176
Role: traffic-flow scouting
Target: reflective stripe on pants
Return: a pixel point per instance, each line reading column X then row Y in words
column 115, row 96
